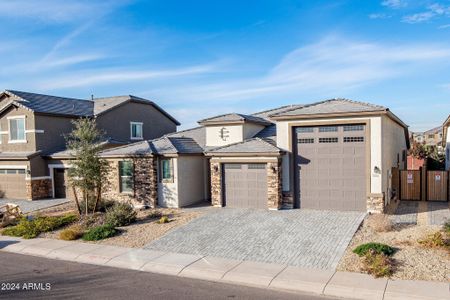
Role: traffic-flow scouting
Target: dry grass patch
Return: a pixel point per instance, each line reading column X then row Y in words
column 378, row 264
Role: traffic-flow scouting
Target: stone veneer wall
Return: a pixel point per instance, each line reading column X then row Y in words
column 274, row 193
column 39, row 188
column 145, row 183
column 216, row 184
column 375, row 203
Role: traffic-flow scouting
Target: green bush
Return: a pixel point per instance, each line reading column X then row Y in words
column 378, row 264
column 99, row 233
column 29, row 229
column 447, row 227
column 71, row 233
column 363, row 249
column 120, row 214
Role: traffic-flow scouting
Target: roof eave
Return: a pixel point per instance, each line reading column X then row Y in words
column 245, row 154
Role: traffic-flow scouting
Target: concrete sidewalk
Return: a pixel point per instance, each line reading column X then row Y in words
column 272, row 276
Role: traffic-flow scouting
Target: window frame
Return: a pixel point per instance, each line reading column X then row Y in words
column 161, row 168
column 131, row 130
column 119, row 171
column 17, row 141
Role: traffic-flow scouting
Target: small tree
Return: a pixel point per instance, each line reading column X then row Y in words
column 88, row 170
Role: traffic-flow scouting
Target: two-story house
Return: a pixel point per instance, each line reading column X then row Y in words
column 446, row 142
column 33, row 126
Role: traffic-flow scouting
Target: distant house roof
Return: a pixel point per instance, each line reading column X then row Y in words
column 234, row 118
column 73, row 107
column 250, row 146
column 434, row 130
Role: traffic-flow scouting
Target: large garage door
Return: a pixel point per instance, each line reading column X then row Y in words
column 331, row 166
column 12, row 183
column 245, row 185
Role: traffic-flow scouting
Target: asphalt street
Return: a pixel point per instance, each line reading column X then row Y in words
column 28, row 277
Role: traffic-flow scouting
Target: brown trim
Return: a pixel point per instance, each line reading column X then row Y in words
column 293, row 186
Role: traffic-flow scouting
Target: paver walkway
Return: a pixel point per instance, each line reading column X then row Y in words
column 28, row 206
column 438, row 213
column 303, row 238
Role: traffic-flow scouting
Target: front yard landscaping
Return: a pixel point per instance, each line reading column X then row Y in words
column 420, row 252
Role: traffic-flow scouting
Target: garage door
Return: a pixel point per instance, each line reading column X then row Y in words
column 331, row 166
column 245, row 185
column 12, row 184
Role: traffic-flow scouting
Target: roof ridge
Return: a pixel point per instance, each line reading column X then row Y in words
column 222, row 115
column 272, row 109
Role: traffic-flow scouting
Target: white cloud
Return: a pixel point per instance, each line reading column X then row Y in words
column 394, row 4
column 379, row 16
column 333, row 65
column 102, row 77
column 433, row 11
column 56, row 10
column 444, row 26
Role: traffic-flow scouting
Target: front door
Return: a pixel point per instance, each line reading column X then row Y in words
column 59, row 177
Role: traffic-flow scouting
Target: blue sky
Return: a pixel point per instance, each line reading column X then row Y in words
column 202, row 58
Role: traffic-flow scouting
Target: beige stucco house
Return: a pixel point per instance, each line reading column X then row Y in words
column 33, row 158
column 336, row 154
column 446, row 142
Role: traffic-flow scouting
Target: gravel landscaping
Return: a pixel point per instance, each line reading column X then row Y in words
column 414, row 262
column 138, row 234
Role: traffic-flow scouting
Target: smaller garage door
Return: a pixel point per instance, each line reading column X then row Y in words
column 12, row 184
column 245, row 185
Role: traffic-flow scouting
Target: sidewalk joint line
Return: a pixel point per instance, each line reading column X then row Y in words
column 385, row 288
column 326, row 284
column 231, row 269
column 276, row 275
column 189, row 265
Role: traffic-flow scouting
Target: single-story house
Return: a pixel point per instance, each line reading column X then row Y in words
column 336, row 154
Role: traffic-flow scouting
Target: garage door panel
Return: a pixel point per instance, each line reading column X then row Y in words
column 245, row 185
column 13, row 186
column 335, row 175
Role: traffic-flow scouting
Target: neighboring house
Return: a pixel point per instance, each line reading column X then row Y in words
column 32, row 129
column 446, row 142
column 332, row 155
column 414, row 163
column 432, row 137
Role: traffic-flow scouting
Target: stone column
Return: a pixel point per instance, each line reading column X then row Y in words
column 274, row 190
column 216, row 184
column 145, row 181
column 38, row 188
column 375, row 203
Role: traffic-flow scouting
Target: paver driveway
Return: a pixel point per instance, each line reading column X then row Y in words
column 28, row 206
column 304, row 238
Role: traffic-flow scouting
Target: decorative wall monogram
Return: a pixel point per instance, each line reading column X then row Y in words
column 224, row 134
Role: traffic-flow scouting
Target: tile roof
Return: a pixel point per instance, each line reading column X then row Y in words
column 134, row 149
column 18, row 155
column 74, row 107
column 267, row 113
column 254, row 145
column 234, row 117
column 331, row 106
column 434, row 130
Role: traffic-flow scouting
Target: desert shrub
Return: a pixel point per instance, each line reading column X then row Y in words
column 99, row 233
column 154, row 215
column 120, row 214
column 29, row 229
column 164, row 219
column 102, row 206
column 380, row 223
column 363, row 249
column 378, row 264
column 434, row 241
column 72, row 233
column 447, row 227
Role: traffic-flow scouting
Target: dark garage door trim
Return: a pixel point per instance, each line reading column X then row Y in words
column 293, row 148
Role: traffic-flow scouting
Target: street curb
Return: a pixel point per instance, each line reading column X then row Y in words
column 248, row 273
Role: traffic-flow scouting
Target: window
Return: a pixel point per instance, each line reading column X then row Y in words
column 12, row 171
column 305, row 129
column 166, row 170
column 136, row 131
column 306, row 141
column 328, row 140
column 17, row 130
column 353, row 139
column 126, row 171
column 431, row 136
column 256, row 166
column 328, row 129
column 353, row 127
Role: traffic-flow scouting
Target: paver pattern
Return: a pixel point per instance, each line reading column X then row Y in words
column 406, row 213
column 438, row 213
column 304, row 238
column 28, row 206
